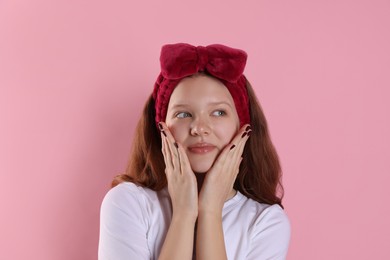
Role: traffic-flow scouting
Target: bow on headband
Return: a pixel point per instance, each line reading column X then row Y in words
column 181, row 60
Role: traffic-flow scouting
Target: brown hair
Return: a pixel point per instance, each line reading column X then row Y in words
column 260, row 172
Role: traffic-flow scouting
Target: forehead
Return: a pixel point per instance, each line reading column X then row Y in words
column 200, row 87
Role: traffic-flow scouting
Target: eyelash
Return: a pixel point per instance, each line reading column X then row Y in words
column 223, row 112
column 178, row 115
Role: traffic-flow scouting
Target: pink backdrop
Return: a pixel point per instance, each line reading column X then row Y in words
column 75, row 74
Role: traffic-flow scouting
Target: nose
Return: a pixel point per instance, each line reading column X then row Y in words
column 200, row 126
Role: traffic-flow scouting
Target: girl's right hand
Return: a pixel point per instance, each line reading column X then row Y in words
column 182, row 185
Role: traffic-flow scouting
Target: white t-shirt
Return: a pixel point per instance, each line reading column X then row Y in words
column 134, row 221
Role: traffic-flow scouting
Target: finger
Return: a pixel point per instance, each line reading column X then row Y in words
column 235, row 146
column 242, row 142
column 171, row 146
column 228, row 156
column 167, row 155
column 234, row 156
column 163, row 148
column 237, row 152
column 185, row 166
column 241, row 133
column 165, row 130
column 240, row 139
column 236, row 167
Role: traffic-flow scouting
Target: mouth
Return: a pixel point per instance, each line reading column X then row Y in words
column 201, row 148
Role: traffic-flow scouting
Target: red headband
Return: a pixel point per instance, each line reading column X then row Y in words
column 181, row 60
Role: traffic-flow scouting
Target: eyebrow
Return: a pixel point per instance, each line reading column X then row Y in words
column 209, row 104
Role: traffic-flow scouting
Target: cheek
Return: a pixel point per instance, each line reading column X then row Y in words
column 229, row 135
column 178, row 131
column 227, row 131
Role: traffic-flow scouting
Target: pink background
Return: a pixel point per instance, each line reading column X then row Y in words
column 74, row 76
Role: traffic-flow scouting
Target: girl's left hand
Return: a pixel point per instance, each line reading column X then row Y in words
column 219, row 180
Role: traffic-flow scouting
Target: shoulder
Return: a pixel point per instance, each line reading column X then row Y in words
column 264, row 228
column 124, row 223
column 123, row 201
column 125, row 189
column 124, row 193
column 265, row 216
column 254, row 209
column 274, row 215
column 130, row 199
column 260, row 218
column 271, row 231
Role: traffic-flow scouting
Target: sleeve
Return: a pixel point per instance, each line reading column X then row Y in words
column 270, row 236
column 123, row 225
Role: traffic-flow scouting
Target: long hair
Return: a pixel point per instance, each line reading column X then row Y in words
column 259, row 177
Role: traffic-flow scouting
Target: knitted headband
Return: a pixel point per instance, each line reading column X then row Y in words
column 181, row 60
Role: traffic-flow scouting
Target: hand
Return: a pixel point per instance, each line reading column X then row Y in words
column 182, row 185
column 219, row 180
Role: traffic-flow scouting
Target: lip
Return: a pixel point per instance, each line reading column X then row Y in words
column 201, row 148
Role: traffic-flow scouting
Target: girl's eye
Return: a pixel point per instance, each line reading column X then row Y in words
column 183, row 115
column 219, row 113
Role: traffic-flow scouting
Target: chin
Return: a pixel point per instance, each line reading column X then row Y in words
column 201, row 163
column 200, row 171
column 201, row 167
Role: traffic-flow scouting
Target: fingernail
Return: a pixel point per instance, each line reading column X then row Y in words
column 175, row 144
column 243, row 135
column 231, row 147
column 160, row 126
column 248, row 128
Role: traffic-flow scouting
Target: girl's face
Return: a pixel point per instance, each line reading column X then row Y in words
column 202, row 118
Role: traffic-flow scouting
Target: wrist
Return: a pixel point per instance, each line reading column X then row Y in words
column 214, row 207
column 184, row 218
column 210, row 213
